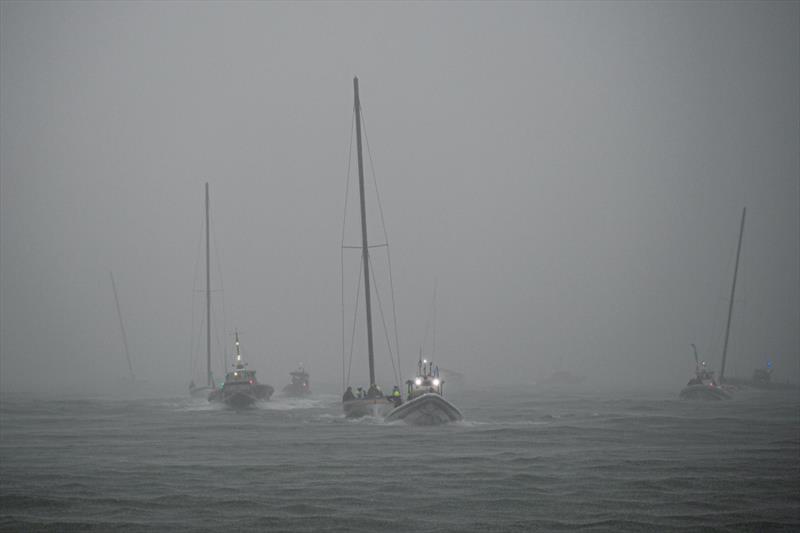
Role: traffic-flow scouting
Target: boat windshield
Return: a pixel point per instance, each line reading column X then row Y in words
column 427, row 380
column 241, row 375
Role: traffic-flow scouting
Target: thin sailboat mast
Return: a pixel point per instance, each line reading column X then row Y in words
column 733, row 292
column 364, row 242
column 210, row 381
column 122, row 327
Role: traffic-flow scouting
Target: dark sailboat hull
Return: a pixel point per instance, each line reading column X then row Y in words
column 430, row 409
column 704, row 392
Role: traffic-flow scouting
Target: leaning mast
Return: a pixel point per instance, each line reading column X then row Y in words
column 364, row 242
column 122, row 328
column 733, row 291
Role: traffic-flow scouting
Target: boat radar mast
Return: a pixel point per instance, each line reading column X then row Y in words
column 238, row 363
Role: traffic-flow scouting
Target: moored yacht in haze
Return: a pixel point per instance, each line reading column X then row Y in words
column 300, row 383
column 762, row 379
column 703, row 385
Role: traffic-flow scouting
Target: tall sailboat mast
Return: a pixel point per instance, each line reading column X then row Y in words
column 209, row 379
column 733, row 292
column 364, row 242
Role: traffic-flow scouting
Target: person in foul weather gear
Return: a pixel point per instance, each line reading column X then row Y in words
column 348, row 394
column 396, row 397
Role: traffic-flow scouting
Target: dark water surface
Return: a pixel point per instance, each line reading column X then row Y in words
column 525, row 459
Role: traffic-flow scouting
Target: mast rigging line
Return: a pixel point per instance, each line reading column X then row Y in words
column 356, row 123
column 385, row 238
column 383, row 321
column 428, row 324
column 341, row 251
column 355, row 318
column 224, row 351
column 221, row 347
column 198, row 255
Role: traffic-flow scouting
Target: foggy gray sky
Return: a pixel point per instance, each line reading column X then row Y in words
column 572, row 174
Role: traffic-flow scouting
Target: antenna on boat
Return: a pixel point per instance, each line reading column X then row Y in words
column 435, row 284
column 733, row 291
column 238, row 351
column 364, row 242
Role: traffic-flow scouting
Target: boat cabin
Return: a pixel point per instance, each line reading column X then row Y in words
column 703, row 376
column 427, row 380
column 241, row 374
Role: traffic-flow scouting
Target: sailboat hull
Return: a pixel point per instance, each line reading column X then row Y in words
column 429, row 409
column 704, row 392
column 377, row 407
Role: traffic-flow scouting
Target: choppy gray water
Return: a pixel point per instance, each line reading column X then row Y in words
column 525, row 459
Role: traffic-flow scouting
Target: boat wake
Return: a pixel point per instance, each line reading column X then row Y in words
column 195, row 404
column 362, row 420
column 286, row 403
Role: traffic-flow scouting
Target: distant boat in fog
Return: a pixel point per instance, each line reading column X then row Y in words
column 762, row 379
column 299, row 385
column 241, row 388
column 703, row 386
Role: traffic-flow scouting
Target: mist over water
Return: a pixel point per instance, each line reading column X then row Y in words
column 568, row 176
column 523, row 459
column 571, row 174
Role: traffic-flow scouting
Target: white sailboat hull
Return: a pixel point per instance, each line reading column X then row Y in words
column 429, row 409
column 377, row 407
